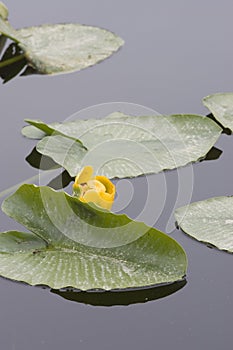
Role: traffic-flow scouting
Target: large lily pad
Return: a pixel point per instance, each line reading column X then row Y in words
column 59, row 48
column 209, row 221
column 221, row 106
column 65, row 246
column 126, row 146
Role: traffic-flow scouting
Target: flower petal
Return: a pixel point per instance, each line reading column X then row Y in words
column 84, row 175
column 97, row 198
column 96, row 185
column 110, row 187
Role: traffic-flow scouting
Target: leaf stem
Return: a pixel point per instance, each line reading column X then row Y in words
column 12, row 60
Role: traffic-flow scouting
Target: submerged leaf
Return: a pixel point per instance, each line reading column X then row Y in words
column 221, row 106
column 126, row 146
column 65, row 247
column 209, row 221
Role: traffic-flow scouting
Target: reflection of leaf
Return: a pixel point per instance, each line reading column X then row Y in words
column 221, row 106
column 15, row 60
column 66, row 246
column 61, row 181
column 125, row 297
column 127, row 146
column 226, row 131
column 38, row 161
column 3, row 40
column 213, row 154
column 209, row 221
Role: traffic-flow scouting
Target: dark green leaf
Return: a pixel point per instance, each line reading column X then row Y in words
column 69, row 250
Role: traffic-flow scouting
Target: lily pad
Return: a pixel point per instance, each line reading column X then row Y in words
column 66, row 245
column 209, row 221
column 60, row 48
column 126, row 146
column 221, row 106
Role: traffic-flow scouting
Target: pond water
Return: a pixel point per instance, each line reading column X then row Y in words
column 175, row 53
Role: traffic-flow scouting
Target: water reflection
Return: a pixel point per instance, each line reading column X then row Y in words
column 39, row 161
column 213, row 154
column 61, row 181
column 226, row 131
column 12, row 61
column 120, row 297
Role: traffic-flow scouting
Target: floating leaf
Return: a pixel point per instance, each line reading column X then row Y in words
column 126, row 146
column 65, row 247
column 61, row 48
column 3, row 11
column 221, row 106
column 209, row 221
column 32, row 132
column 7, row 30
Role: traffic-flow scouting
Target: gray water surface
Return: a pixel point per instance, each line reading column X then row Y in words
column 175, row 53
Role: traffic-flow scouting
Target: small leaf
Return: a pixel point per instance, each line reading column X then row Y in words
column 61, row 48
column 221, row 106
column 7, row 30
column 33, row 132
column 126, row 146
column 66, row 246
column 209, row 221
column 52, row 49
column 3, row 11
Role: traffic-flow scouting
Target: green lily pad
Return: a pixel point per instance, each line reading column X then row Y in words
column 209, row 221
column 126, row 146
column 221, row 106
column 67, row 240
column 60, row 48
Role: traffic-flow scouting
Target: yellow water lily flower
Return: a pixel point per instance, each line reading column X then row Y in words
column 99, row 189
